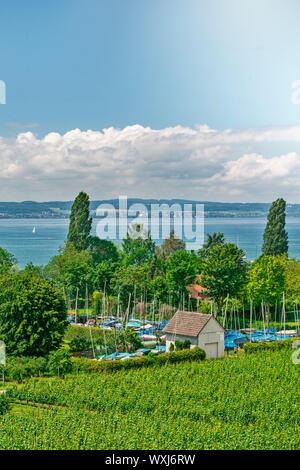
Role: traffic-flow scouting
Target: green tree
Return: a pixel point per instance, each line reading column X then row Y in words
column 138, row 248
column 172, row 244
column 59, row 362
column 292, row 281
column 181, row 270
column 130, row 280
column 211, row 241
column 103, row 274
column 80, row 222
column 72, row 269
column 102, row 250
column 32, row 315
column 266, row 280
column 224, row 272
column 159, row 289
column 7, row 260
column 275, row 238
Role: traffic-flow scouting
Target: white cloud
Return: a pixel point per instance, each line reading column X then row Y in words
column 176, row 162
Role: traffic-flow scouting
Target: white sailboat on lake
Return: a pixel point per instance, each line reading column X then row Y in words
column 34, row 229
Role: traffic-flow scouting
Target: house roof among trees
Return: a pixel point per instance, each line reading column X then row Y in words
column 196, row 290
column 187, row 323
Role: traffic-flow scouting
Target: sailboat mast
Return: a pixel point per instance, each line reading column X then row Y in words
column 76, row 306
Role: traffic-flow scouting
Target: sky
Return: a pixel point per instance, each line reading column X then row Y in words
column 150, row 98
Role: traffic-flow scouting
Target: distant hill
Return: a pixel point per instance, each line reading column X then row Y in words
column 61, row 209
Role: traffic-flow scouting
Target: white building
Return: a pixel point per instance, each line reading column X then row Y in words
column 201, row 330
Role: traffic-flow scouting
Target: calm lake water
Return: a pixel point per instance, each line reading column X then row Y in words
column 16, row 236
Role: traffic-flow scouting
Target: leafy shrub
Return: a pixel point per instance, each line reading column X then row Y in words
column 180, row 345
column 59, row 362
column 20, row 368
column 84, row 365
column 79, row 344
column 4, row 404
column 268, row 346
column 79, row 338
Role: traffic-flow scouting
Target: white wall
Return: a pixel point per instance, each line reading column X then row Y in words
column 211, row 333
column 170, row 339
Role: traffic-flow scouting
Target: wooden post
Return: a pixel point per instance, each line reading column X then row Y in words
column 3, row 379
column 283, row 306
column 224, row 318
column 76, row 306
column 251, row 320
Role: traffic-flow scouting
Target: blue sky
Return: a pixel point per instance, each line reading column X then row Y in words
column 100, row 63
column 95, row 64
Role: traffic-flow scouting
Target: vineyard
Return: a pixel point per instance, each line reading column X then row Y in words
column 244, row 402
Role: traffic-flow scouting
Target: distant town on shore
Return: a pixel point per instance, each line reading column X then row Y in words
column 62, row 209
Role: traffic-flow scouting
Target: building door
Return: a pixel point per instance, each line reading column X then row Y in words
column 211, row 350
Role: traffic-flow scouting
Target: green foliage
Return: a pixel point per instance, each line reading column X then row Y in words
column 249, row 402
column 79, row 337
column 4, row 404
column 72, row 269
column 127, row 279
column 84, row 365
column 171, row 244
column 129, row 337
column 103, row 274
column 181, row 345
column 102, row 250
column 212, row 240
column 80, row 222
column 20, row 368
column 32, row 315
column 181, row 270
column 138, row 248
column 205, row 306
column 266, row 280
column 59, row 362
column 159, row 289
column 7, row 260
column 224, row 272
column 251, row 348
column 275, row 236
column 292, row 281
column 80, row 344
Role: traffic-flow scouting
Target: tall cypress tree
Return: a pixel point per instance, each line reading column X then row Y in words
column 275, row 236
column 80, row 222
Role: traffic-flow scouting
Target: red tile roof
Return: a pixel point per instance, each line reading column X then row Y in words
column 187, row 323
column 196, row 290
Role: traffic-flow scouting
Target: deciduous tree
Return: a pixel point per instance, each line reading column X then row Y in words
column 32, row 315
column 224, row 272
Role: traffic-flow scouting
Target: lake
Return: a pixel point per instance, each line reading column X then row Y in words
column 16, row 236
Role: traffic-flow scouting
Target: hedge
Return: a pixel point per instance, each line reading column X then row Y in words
column 20, row 368
column 251, row 348
column 4, row 404
column 86, row 365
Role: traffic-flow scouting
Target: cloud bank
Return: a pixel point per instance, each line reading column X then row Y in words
column 249, row 165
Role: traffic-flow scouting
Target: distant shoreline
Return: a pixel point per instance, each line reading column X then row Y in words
column 61, row 209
